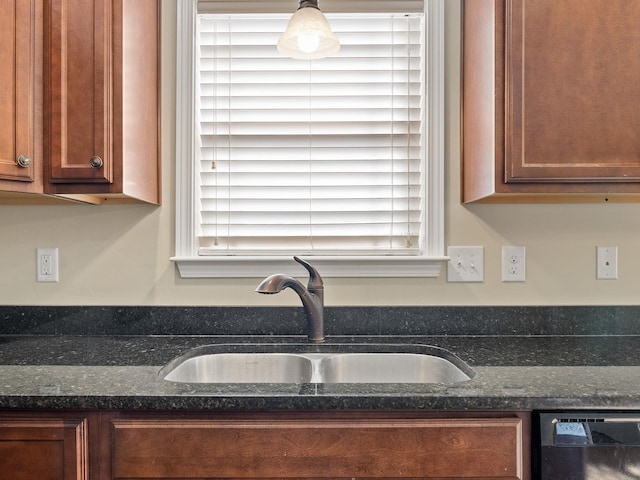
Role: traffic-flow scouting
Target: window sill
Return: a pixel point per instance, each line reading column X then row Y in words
column 329, row 267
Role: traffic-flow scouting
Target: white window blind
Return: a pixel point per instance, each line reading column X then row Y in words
column 318, row 157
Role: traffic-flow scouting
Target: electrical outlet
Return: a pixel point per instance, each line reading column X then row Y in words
column 513, row 264
column 606, row 263
column 47, row 265
column 466, row 264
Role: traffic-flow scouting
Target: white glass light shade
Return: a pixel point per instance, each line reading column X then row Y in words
column 308, row 36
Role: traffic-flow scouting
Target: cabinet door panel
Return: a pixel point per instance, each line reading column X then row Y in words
column 20, row 21
column 43, row 449
column 78, row 94
column 451, row 448
column 572, row 91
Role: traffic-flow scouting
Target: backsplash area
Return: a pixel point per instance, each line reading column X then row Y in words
column 403, row 321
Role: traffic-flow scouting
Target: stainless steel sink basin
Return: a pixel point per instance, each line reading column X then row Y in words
column 243, row 368
column 389, row 368
column 328, row 364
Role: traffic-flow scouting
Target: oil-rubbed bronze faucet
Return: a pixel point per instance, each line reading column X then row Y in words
column 312, row 297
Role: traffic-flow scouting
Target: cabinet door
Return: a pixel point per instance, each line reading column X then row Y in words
column 314, row 448
column 78, row 91
column 573, row 91
column 20, row 98
column 42, row 449
column 550, row 96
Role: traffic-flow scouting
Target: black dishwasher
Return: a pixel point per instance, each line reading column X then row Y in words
column 586, row 446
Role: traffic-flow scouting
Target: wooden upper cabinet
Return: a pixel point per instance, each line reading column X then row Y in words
column 79, row 101
column 21, row 95
column 550, row 100
column 102, row 99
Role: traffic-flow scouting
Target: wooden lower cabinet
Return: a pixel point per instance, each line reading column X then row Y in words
column 43, row 447
column 95, row 445
column 315, row 445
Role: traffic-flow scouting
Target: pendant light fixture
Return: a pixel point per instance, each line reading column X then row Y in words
column 308, row 35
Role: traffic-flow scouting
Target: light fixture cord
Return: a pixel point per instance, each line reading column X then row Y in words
column 309, row 123
column 408, row 238
column 214, row 164
column 229, row 58
column 393, row 150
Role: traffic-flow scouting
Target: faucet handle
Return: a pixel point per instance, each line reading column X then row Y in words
column 315, row 280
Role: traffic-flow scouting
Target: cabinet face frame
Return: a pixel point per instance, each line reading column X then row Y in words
column 21, row 95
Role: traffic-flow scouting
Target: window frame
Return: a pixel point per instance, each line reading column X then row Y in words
column 192, row 265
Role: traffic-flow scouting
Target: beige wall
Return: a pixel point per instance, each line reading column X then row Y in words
column 119, row 255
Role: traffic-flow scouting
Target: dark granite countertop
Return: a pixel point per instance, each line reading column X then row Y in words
column 512, row 372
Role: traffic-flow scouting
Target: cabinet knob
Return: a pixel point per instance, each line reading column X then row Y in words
column 96, row 162
column 24, row 161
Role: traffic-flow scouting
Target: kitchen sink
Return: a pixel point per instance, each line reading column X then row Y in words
column 327, row 363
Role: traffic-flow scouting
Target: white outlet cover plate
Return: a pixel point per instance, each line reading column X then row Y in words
column 513, row 264
column 466, row 264
column 606, row 263
column 50, row 272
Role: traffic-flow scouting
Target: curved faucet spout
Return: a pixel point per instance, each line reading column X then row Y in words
column 312, row 297
column 279, row 281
